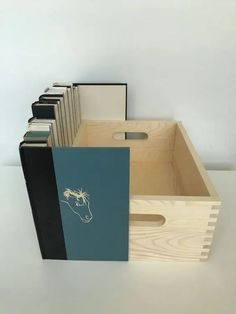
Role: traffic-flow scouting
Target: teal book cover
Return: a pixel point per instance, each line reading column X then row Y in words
column 93, row 193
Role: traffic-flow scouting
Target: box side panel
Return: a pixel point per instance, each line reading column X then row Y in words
column 181, row 235
column 160, row 134
column 81, row 138
column 191, row 174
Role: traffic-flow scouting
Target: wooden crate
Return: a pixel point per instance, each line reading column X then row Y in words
column 173, row 205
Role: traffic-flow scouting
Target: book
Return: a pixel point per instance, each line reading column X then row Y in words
column 66, row 108
column 73, row 105
column 35, row 124
column 38, row 136
column 79, row 200
column 33, row 144
column 58, row 98
column 42, row 127
column 37, row 165
column 49, row 109
column 102, row 101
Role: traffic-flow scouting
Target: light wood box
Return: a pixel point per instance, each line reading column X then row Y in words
column 173, row 204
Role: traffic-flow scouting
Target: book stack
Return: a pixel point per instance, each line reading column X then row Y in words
column 74, row 188
column 56, row 117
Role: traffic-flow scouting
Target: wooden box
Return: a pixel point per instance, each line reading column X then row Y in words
column 173, row 205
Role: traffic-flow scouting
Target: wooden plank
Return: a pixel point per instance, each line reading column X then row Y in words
column 81, row 138
column 152, row 178
column 160, row 134
column 189, row 167
column 180, row 238
column 187, row 170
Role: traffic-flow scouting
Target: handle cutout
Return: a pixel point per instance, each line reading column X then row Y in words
column 145, row 220
column 130, row 136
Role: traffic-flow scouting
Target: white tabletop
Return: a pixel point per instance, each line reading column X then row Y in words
column 29, row 284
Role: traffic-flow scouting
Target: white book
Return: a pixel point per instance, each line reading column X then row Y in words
column 44, row 125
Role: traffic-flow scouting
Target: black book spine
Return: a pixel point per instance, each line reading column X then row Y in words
column 38, row 168
column 43, row 112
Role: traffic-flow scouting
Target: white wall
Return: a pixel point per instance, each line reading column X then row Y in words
column 178, row 58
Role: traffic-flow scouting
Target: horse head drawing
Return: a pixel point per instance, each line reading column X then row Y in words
column 78, row 202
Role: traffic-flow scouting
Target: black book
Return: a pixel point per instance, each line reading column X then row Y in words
column 49, row 109
column 61, row 94
column 37, row 164
column 59, row 98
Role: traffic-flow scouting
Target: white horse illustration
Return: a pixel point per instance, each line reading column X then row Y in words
column 78, row 202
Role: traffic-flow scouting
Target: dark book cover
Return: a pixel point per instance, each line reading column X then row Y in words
column 52, row 99
column 38, row 168
column 46, row 111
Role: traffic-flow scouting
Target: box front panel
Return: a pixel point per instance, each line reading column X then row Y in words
column 180, row 234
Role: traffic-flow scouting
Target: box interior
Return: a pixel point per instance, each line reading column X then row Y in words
column 161, row 161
